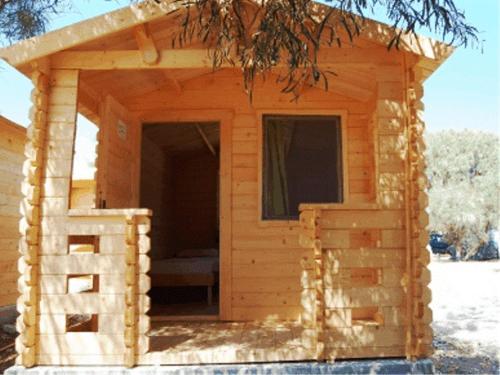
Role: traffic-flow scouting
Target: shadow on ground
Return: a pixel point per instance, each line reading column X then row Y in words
column 455, row 357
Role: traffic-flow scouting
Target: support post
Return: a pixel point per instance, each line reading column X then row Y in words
column 319, row 288
column 131, row 238
column 30, row 224
column 419, row 335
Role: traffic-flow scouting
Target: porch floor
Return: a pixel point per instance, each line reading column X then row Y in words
column 224, row 342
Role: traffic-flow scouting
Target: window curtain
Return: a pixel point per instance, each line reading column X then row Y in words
column 279, row 134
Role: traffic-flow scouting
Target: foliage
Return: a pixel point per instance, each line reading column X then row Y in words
column 25, row 18
column 258, row 35
column 464, row 186
column 293, row 31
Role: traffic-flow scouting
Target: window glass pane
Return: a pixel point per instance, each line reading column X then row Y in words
column 302, row 163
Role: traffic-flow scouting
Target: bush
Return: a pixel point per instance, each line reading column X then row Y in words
column 464, row 186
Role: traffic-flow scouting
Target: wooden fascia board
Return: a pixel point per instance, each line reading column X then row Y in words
column 85, row 31
column 200, row 58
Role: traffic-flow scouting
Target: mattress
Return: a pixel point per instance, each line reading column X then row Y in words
column 185, row 266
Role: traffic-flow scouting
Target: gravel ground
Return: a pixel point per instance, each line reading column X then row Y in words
column 466, row 312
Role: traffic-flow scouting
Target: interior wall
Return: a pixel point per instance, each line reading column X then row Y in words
column 155, row 168
column 181, row 189
column 195, row 200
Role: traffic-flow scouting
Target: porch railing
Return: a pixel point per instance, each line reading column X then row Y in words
column 93, row 287
column 354, row 300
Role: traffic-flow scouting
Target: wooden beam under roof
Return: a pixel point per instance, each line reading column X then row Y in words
column 200, row 58
column 146, row 44
column 151, row 55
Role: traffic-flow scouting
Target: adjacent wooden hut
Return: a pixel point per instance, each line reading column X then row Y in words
column 224, row 230
column 12, row 140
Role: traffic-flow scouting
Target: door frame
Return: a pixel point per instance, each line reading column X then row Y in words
column 224, row 118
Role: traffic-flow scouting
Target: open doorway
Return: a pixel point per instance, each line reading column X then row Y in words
column 83, row 186
column 180, row 183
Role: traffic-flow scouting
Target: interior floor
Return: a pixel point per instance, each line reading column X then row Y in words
column 193, row 342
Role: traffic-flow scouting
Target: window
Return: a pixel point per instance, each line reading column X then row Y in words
column 302, row 164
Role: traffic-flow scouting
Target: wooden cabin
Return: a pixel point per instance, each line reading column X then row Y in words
column 12, row 145
column 224, row 230
column 12, row 140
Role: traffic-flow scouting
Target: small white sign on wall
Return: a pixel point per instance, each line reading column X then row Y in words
column 122, row 130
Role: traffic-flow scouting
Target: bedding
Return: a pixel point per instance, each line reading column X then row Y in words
column 185, row 266
column 186, row 271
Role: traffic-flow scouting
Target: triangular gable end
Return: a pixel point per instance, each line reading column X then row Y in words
column 432, row 53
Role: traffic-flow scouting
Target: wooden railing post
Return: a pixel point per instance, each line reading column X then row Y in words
column 319, row 288
column 131, row 238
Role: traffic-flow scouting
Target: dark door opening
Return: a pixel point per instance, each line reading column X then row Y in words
column 180, row 183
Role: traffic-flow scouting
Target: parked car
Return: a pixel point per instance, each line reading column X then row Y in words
column 487, row 251
column 440, row 246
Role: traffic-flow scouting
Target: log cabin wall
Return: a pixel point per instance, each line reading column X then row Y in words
column 59, row 244
column 262, row 250
column 12, row 140
column 118, row 162
column 82, row 194
column 366, row 299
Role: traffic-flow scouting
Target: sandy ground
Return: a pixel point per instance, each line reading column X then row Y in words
column 466, row 311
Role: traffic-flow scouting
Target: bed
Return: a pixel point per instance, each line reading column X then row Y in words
column 193, row 267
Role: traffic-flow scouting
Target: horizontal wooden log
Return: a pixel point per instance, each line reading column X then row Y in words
column 363, row 336
column 363, row 297
column 338, row 219
column 82, row 343
column 197, row 58
column 79, row 360
column 85, row 303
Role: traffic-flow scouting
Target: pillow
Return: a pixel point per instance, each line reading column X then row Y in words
column 192, row 253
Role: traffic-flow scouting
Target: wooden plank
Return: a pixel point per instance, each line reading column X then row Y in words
column 79, row 360
column 266, row 285
column 226, row 219
column 82, row 343
column 350, row 258
column 271, row 255
column 107, row 324
column 267, row 270
column 81, row 263
column 363, row 297
column 198, row 58
column 266, row 299
column 339, row 219
column 366, row 352
column 266, row 313
column 268, row 242
column 85, row 303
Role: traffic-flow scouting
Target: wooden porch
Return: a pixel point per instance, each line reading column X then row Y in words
column 191, row 342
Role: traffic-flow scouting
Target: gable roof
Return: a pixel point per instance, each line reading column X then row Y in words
column 432, row 53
